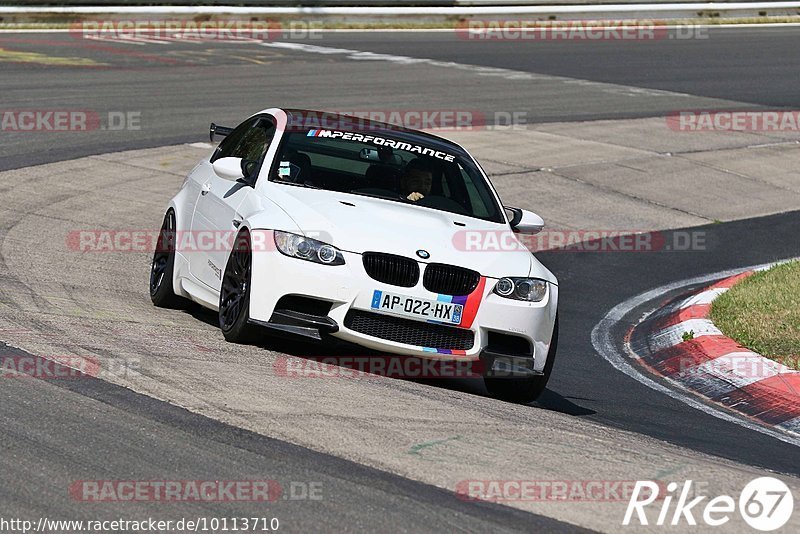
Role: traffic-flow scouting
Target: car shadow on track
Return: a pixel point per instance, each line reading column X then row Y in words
column 548, row 400
column 551, row 400
column 350, row 357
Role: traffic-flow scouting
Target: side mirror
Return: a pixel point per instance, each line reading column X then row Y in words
column 525, row 221
column 229, row 168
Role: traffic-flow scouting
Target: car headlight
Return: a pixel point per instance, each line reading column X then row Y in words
column 526, row 289
column 305, row 248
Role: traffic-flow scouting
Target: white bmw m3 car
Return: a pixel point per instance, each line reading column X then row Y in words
column 320, row 225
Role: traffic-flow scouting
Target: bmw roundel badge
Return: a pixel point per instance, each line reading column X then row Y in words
column 424, row 254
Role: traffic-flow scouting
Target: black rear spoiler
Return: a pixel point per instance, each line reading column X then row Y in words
column 218, row 130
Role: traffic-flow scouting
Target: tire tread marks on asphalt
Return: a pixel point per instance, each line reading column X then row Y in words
column 400, row 490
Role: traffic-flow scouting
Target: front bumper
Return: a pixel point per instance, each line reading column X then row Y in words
column 348, row 288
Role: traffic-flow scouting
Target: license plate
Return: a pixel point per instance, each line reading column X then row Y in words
column 432, row 310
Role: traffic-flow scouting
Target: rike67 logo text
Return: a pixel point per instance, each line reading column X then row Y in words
column 765, row 504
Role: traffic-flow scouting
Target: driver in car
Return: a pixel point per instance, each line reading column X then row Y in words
column 417, row 180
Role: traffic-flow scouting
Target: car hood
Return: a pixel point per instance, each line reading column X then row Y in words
column 356, row 223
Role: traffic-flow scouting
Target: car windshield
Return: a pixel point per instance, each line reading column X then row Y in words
column 401, row 167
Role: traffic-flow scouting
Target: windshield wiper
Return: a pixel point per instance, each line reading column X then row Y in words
column 307, row 185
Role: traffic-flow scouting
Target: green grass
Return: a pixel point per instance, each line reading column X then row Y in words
column 762, row 313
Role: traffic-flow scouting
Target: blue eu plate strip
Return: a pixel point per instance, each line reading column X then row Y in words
column 376, row 299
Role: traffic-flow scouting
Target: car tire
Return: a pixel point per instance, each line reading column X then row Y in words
column 524, row 390
column 163, row 266
column 234, row 293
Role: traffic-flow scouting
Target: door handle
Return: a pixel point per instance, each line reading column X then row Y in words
column 205, row 189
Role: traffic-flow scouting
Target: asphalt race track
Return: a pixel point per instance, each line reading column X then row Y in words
column 126, row 426
column 57, row 432
column 177, row 87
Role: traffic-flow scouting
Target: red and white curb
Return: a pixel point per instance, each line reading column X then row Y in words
column 685, row 347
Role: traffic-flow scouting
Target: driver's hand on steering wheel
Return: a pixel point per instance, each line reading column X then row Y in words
column 415, row 196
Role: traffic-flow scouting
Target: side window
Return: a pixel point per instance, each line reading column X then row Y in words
column 249, row 140
column 227, row 146
column 479, row 199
